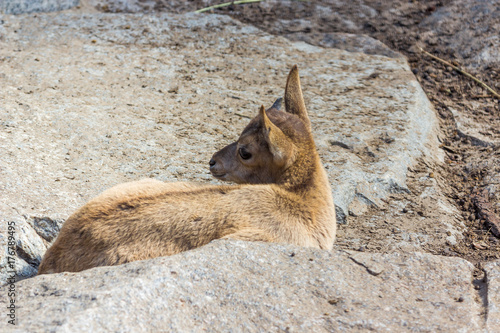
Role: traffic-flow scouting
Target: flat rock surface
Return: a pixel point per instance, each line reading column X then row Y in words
column 256, row 287
column 29, row 6
column 130, row 97
column 493, row 295
column 92, row 100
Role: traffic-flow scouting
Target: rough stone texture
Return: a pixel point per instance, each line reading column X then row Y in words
column 46, row 227
column 28, row 249
column 468, row 128
column 134, row 96
column 492, row 270
column 348, row 42
column 30, row 6
column 469, row 29
column 256, row 287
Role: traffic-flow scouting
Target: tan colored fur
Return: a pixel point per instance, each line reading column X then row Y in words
column 283, row 196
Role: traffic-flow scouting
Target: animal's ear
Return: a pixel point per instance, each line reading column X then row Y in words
column 280, row 146
column 277, row 104
column 294, row 101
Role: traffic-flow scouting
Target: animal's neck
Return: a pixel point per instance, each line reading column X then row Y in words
column 305, row 177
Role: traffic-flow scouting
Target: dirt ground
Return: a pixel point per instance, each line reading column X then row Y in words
column 471, row 166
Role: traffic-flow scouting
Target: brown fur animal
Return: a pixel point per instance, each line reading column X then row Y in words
column 283, row 196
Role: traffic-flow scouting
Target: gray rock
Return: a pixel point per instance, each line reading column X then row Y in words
column 134, row 96
column 492, row 296
column 129, row 6
column 255, row 287
column 46, row 227
column 348, row 42
column 30, row 246
column 30, row 6
column 469, row 29
column 22, row 249
column 472, row 130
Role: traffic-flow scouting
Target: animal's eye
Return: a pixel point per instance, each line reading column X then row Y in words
column 244, row 154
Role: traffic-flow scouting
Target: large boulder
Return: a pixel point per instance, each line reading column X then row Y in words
column 235, row 286
column 92, row 100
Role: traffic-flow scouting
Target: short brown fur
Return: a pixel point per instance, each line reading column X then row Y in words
column 283, row 196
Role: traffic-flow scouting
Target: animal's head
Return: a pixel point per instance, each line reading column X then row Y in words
column 272, row 142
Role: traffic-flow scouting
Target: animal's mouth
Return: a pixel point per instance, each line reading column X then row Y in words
column 219, row 175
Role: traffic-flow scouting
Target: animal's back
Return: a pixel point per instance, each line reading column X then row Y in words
column 148, row 219
column 128, row 222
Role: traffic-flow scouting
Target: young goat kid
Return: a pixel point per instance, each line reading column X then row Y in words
column 284, row 196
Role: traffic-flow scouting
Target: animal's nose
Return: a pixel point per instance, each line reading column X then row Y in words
column 212, row 162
